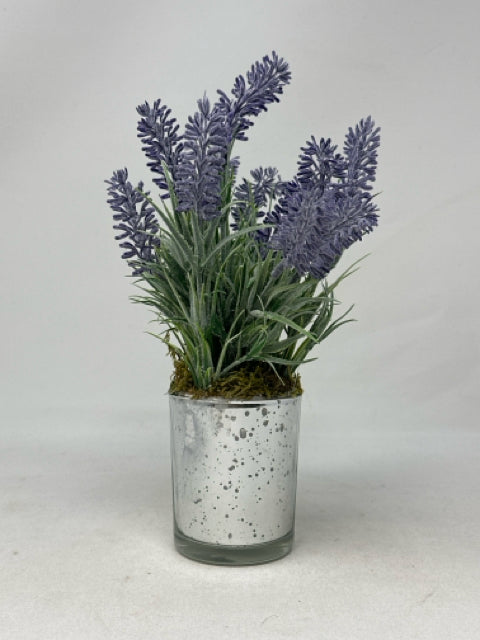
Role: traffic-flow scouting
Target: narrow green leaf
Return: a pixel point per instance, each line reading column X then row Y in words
column 276, row 317
column 233, row 237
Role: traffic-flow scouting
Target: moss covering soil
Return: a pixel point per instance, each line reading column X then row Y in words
column 251, row 380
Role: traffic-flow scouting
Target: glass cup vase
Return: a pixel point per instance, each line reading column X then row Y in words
column 234, row 477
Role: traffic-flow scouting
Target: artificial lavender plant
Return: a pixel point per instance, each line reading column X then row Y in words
column 235, row 269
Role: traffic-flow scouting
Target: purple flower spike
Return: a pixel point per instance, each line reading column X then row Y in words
column 138, row 227
column 314, row 229
column 202, row 162
column 328, row 206
column 318, row 163
column 265, row 82
column 264, row 187
column 360, row 151
column 161, row 142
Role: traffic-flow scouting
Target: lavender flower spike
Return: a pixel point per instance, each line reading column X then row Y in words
column 161, row 142
column 314, row 229
column 265, row 82
column 318, row 163
column 360, row 151
column 264, row 187
column 202, row 162
column 317, row 218
column 138, row 228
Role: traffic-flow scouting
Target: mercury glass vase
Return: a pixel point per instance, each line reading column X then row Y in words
column 234, row 475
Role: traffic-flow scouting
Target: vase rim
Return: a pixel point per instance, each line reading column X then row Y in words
column 220, row 400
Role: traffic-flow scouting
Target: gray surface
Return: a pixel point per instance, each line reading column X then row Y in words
column 387, row 537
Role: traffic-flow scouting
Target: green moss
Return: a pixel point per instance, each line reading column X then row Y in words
column 251, row 380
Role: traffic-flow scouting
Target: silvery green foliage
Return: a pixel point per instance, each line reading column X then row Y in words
column 135, row 220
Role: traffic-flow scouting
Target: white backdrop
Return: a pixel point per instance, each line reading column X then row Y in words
column 72, row 73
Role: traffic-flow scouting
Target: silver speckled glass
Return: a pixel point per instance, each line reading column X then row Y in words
column 234, row 473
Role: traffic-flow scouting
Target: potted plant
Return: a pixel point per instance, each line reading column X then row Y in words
column 235, row 271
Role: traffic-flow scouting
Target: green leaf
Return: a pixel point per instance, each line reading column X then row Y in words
column 285, row 361
column 348, row 272
column 233, row 237
column 277, row 317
